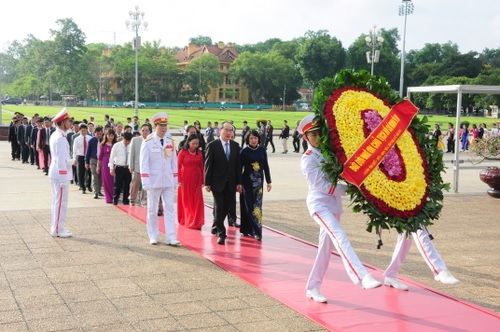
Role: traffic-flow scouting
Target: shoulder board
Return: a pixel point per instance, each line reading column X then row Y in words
column 148, row 139
column 308, row 152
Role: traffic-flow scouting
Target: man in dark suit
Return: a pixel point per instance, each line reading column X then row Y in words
column 269, row 135
column 43, row 143
column 16, row 150
column 222, row 176
column 29, row 136
column 34, row 136
column 21, row 140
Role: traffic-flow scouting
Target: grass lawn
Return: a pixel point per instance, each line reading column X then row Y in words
column 177, row 116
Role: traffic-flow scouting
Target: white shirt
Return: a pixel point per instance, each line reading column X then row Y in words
column 158, row 163
column 323, row 195
column 119, row 155
column 78, row 146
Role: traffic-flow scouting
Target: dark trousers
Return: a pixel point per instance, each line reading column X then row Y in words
column 296, row 144
column 270, row 141
column 122, row 182
column 32, row 155
column 231, row 213
column 25, row 152
column 222, row 203
column 304, row 145
column 46, row 154
column 451, row 146
column 84, row 175
column 15, row 150
column 37, row 158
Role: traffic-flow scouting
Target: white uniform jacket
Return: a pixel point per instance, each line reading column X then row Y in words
column 158, row 164
column 60, row 166
column 323, row 195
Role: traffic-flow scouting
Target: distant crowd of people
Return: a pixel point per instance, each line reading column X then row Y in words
column 466, row 136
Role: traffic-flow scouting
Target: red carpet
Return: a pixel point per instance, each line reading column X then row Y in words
column 280, row 265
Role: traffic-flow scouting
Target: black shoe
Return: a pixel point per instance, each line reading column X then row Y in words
column 89, row 189
column 71, row 181
column 126, row 203
column 160, row 213
column 115, row 202
column 213, row 231
column 221, row 240
column 96, row 196
column 100, row 194
column 258, row 237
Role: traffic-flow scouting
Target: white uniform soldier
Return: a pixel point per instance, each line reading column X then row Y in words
column 158, row 164
column 325, row 206
column 60, row 174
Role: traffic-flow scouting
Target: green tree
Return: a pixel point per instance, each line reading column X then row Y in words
column 201, row 40
column 265, row 75
column 69, row 69
column 468, row 65
column 431, row 58
column 202, row 73
column 159, row 72
column 319, row 56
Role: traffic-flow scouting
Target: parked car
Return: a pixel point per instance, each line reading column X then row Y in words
column 131, row 104
column 12, row 101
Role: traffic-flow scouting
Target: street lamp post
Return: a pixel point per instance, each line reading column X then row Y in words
column 405, row 9
column 373, row 41
column 135, row 25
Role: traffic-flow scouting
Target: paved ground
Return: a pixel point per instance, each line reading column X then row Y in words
column 107, row 277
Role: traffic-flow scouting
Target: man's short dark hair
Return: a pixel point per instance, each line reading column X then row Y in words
column 127, row 136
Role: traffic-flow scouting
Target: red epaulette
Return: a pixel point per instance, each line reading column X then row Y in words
column 308, row 152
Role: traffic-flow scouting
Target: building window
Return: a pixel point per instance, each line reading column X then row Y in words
column 221, row 93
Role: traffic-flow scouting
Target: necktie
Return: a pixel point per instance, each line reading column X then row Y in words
column 227, row 151
column 84, row 146
column 47, row 135
column 161, row 141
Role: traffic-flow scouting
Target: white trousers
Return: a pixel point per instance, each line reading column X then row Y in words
column 59, row 206
column 332, row 234
column 424, row 245
column 284, row 142
column 167, row 197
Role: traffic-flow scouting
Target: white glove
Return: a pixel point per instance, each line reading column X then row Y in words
column 145, row 187
column 340, row 189
column 63, row 184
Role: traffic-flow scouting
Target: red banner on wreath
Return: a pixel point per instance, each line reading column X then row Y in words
column 380, row 141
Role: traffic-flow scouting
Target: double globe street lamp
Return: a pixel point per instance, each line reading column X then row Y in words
column 135, row 24
column 374, row 41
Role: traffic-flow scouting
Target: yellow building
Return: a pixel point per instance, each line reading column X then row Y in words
column 229, row 92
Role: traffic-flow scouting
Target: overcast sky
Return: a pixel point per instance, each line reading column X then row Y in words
column 473, row 25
